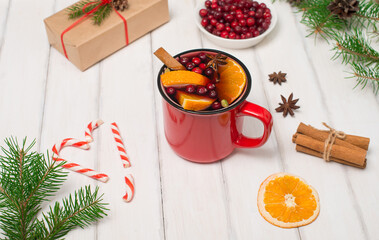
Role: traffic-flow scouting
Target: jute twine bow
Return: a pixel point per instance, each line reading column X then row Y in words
column 333, row 134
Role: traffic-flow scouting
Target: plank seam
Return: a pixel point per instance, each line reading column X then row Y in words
column 5, row 26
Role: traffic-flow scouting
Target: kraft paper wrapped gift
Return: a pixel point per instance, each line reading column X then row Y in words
column 87, row 43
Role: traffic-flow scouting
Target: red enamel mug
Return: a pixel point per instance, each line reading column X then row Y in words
column 209, row 136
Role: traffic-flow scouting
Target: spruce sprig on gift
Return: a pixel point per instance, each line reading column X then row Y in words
column 350, row 26
column 28, row 179
column 98, row 16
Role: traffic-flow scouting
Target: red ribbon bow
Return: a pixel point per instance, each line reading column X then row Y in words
column 86, row 14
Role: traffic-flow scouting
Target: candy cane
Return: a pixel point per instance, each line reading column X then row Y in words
column 129, row 180
column 73, row 166
column 120, row 145
column 92, row 126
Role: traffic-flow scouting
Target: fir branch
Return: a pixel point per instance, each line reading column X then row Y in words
column 355, row 47
column 101, row 14
column 76, row 10
column 26, row 180
column 81, row 209
column 368, row 14
column 365, row 75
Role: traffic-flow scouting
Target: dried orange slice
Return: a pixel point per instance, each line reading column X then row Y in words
column 182, row 77
column 232, row 81
column 287, row 201
column 193, row 102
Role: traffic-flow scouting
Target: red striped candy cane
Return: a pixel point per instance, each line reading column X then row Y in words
column 129, row 180
column 92, row 126
column 73, row 166
column 120, row 145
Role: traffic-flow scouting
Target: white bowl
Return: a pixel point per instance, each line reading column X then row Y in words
column 236, row 43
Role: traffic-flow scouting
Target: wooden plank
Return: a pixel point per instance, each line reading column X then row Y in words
column 126, row 97
column 4, row 10
column 194, row 200
column 348, row 110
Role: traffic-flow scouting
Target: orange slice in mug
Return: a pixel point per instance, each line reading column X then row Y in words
column 182, row 77
column 287, row 201
column 193, row 102
column 232, row 81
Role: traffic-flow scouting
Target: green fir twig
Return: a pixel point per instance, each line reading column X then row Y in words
column 76, row 10
column 27, row 179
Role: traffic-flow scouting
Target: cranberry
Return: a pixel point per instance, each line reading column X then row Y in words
column 201, row 90
column 217, row 15
column 202, row 56
column 211, row 86
column 260, row 30
column 267, row 15
column 203, row 12
column 170, row 91
column 267, row 20
column 224, row 34
column 238, row 29
column 249, row 35
column 265, row 25
column 212, row 94
column 232, row 35
column 239, row 16
column 251, row 13
column 226, row 8
column 238, row 36
column 262, row 5
column 260, row 21
column 255, row 4
column 213, row 22
column 204, row 22
column 234, row 24
column 242, row 22
column 214, row 5
column 216, row 32
column 259, row 13
column 190, row 66
column 197, row 70
column 208, row 4
column 243, row 36
column 208, row 72
column 256, row 33
column 238, row 11
column 184, row 60
column 210, row 16
column 250, row 22
column 267, row 10
column 216, row 105
column 209, row 28
column 220, row 26
column 244, row 30
column 221, row 21
column 190, row 89
column 228, row 29
column 202, row 66
column 229, row 18
column 233, row 8
column 196, row 60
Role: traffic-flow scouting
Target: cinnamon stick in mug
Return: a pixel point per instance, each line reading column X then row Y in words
column 354, row 156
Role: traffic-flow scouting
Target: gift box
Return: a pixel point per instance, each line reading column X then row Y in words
column 85, row 43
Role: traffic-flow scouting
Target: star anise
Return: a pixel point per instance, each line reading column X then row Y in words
column 214, row 62
column 287, row 106
column 277, row 77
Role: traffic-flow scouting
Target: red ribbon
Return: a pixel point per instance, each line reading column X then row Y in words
column 102, row 3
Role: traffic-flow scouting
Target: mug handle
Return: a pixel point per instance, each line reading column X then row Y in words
column 253, row 110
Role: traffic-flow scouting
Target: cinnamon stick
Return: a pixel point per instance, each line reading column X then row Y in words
column 353, row 156
column 168, row 60
column 321, row 135
column 320, row 155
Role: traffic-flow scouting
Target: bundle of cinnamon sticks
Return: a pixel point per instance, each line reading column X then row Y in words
column 350, row 150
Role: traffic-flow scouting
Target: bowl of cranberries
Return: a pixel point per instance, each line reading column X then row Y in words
column 235, row 24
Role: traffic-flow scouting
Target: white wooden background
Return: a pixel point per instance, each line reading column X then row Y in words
column 43, row 96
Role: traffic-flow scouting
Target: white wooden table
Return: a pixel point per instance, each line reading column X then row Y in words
column 44, row 96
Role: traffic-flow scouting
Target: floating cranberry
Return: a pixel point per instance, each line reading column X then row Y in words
column 203, row 12
column 190, row 66
column 204, row 22
column 201, row 90
column 170, row 91
column 216, row 105
column 208, row 72
column 202, row 66
column 190, row 89
column 184, row 60
column 197, row 70
column 212, row 94
column 211, row 86
column 196, row 60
